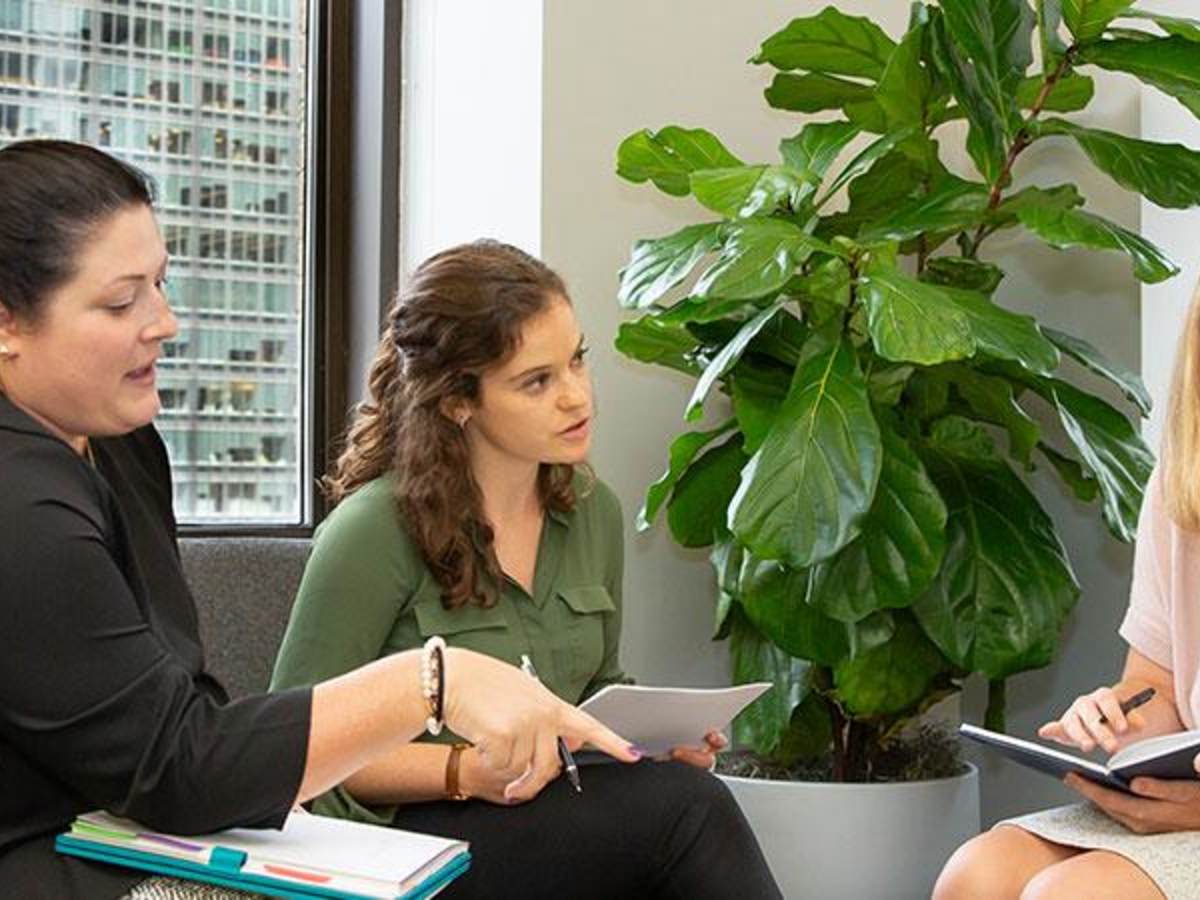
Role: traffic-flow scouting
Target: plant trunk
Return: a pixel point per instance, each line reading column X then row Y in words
column 993, row 718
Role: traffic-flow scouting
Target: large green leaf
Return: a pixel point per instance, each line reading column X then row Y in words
column 1089, row 357
column 773, row 597
column 744, row 191
column 1184, row 28
column 913, row 322
column 1049, row 16
column 683, row 450
column 1066, row 228
column 1166, row 174
column 725, row 360
column 1062, row 196
column 650, row 341
column 805, row 491
column 996, row 37
column 669, row 157
column 982, row 103
column 870, row 154
column 1005, row 586
column 900, row 548
column 703, row 310
column 1170, row 64
column 758, row 258
column 1071, row 471
column 992, row 399
column 893, row 677
column 657, row 265
column 1004, row 334
column 1087, row 19
column 904, row 86
column 758, row 394
column 830, row 42
column 696, row 510
column 813, row 92
column 1070, row 93
column 763, row 724
column 959, row 272
column 1112, row 449
column 814, row 149
column 951, row 204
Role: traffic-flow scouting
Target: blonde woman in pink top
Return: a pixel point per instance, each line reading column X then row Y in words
column 1117, row 845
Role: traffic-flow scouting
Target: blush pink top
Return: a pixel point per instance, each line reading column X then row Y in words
column 1163, row 621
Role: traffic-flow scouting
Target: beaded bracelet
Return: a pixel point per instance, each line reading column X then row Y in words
column 433, row 683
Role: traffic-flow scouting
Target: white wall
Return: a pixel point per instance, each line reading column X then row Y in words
column 472, row 102
column 1164, row 305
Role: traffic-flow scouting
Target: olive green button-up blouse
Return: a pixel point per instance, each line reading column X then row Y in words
column 367, row 593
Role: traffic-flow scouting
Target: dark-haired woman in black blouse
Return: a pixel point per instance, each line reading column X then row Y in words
column 104, row 700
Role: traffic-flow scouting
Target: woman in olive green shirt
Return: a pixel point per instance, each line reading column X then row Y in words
column 466, row 510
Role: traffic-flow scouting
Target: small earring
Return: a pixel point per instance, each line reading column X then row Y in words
column 462, row 422
column 4, row 351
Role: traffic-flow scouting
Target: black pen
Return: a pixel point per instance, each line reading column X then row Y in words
column 1139, row 699
column 564, row 752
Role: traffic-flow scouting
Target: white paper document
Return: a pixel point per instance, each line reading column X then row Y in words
column 659, row 718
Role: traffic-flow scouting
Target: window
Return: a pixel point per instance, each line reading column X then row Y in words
column 202, row 97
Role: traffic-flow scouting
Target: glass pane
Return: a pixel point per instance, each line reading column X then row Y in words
column 207, row 98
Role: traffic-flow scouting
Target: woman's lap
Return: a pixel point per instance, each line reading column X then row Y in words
column 647, row 830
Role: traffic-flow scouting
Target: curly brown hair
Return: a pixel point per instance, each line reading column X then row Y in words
column 460, row 314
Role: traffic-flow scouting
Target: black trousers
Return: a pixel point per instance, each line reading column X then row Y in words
column 649, row 830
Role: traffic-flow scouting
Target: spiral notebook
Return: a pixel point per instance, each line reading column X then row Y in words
column 311, row 856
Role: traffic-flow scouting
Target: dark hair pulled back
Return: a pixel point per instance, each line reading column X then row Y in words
column 53, row 194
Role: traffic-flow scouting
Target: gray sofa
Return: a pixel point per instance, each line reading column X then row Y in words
column 244, row 588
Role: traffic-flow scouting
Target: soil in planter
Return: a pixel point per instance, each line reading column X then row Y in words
column 929, row 751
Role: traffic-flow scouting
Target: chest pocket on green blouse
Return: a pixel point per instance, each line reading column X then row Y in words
column 582, row 645
column 472, row 627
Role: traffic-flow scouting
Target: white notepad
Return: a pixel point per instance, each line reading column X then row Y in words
column 310, row 856
column 659, row 718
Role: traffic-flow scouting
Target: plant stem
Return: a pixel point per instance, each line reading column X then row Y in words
column 993, row 717
column 1019, row 144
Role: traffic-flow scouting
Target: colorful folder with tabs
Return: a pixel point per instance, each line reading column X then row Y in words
column 312, row 856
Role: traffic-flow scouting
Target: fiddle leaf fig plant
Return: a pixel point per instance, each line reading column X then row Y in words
column 866, row 500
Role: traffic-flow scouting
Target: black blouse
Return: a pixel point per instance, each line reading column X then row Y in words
column 104, row 701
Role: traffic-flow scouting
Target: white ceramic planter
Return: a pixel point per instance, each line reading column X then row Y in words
column 859, row 841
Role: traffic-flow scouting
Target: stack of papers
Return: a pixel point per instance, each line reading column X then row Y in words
column 312, row 856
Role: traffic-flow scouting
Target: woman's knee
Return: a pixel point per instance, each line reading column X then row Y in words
column 997, row 863
column 1097, row 875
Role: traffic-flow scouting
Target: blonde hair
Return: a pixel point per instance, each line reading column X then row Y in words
column 1181, row 440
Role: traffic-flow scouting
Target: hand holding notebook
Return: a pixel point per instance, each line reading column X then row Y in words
column 1165, row 756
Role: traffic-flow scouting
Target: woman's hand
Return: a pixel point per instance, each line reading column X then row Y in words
column 479, row 781
column 1159, row 806
column 702, row 757
column 1093, row 719
column 514, row 722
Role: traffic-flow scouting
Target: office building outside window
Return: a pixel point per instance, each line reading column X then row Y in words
column 207, row 97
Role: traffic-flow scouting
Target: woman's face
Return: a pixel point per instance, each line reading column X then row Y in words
column 86, row 367
column 536, row 407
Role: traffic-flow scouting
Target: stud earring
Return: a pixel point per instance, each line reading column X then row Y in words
column 4, row 351
column 462, row 422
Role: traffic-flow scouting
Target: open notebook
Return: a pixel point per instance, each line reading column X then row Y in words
column 312, row 856
column 1164, row 756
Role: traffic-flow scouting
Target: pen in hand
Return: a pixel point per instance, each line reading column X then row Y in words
column 1139, row 699
column 564, row 752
